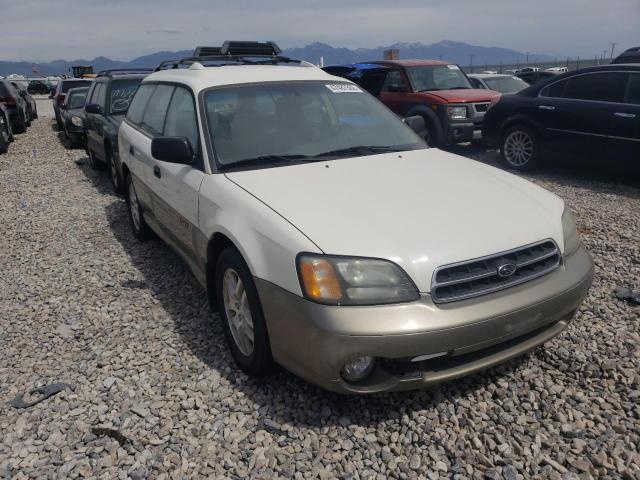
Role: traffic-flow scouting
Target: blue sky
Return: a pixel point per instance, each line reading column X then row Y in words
column 45, row 30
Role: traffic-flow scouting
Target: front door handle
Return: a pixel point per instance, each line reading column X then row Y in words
column 546, row 107
column 625, row 115
column 131, row 150
column 157, row 172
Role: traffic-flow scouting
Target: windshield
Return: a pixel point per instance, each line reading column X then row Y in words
column 77, row 98
column 506, row 84
column 69, row 84
column 121, row 94
column 437, row 77
column 301, row 121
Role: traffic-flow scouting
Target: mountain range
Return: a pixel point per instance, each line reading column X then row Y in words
column 457, row 52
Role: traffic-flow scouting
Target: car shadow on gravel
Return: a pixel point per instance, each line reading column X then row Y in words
column 98, row 178
column 280, row 396
column 599, row 176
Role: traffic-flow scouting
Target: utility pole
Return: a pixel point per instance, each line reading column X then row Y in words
column 471, row 63
column 527, row 54
column 613, row 46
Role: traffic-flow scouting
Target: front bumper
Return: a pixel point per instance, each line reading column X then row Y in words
column 459, row 131
column 314, row 341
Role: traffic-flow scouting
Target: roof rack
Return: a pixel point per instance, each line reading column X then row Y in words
column 123, row 71
column 233, row 53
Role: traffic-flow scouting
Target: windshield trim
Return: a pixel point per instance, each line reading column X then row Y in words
column 215, row 166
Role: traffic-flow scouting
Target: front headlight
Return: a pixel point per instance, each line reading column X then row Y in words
column 354, row 281
column 569, row 232
column 457, row 113
column 77, row 121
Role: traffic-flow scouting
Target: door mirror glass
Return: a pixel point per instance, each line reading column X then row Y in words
column 93, row 108
column 172, row 149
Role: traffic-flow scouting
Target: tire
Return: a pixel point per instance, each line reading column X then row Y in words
column 520, row 148
column 241, row 314
column 432, row 136
column 114, row 174
column 94, row 163
column 139, row 227
column 21, row 123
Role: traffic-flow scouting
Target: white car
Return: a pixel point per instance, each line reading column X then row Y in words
column 330, row 238
column 497, row 82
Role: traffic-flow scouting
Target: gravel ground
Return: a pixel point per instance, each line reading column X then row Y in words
column 82, row 302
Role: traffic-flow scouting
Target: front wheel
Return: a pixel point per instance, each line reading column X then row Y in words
column 94, row 163
column 21, row 123
column 242, row 316
column 519, row 149
column 139, row 227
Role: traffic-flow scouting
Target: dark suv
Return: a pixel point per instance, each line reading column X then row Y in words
column 438, row 91
column 589, row 113
column 16, row 105
column 106, row 105
column 59, row 94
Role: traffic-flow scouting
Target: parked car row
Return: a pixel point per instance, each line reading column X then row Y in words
column 284, row 188
column 17, row 110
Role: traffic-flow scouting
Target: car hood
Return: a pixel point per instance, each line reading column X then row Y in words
column 421, row 209
column 467, row 95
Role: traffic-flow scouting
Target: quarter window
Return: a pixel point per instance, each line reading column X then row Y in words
column 156, row 112
column 139, row 103
column 604, row 87
column 181, row 117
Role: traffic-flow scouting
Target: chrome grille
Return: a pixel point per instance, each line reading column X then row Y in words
column 481, row 107
column 480, row 276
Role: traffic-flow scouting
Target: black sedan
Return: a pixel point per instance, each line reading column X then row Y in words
column 592, row 113
column 73, row 116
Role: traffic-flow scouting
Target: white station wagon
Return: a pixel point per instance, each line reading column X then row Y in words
column 327, row 234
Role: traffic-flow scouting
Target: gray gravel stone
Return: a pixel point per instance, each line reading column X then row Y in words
column 81, row 301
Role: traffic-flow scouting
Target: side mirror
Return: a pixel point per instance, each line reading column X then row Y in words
column 51, row 95
column 417, row 124
column 172, row 149
column 93, row 108
column 23, row 93
column 63, row 107
column 397, row 88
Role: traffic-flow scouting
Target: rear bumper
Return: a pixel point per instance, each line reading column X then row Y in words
column 314, row 341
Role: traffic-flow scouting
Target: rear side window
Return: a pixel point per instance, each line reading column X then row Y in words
column 633, row 89
column 181, row 117
column 139, row 103
column 156, row 112
column 604, row 87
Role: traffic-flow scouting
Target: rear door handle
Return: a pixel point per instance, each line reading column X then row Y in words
column 546, row 107
column 157, row 172
column 625, row 115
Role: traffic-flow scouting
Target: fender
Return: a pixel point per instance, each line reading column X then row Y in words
column 431, row 119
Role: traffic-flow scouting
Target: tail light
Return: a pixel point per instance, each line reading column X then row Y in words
column 60, row 98
column 8, row 100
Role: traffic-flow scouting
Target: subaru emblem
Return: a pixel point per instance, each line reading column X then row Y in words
column 506, row 270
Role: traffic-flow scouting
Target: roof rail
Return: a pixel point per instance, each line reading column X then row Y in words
column 123, row 71
column 234, row 53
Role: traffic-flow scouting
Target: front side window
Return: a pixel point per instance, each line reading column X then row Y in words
column 604, row 87
column 394, row 82
column 275, row 123
column 121, row 94
column 139, row 103
column 99, row 95
column 437, row 77
column 156, row 112
column 181, row 117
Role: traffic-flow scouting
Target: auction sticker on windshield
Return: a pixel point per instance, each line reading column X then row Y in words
column 343, row 88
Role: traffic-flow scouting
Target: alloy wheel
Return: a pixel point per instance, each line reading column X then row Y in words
column 238, row 312
column 518, row 148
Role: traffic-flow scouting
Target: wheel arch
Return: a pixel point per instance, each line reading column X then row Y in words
column 520, row 119
column 431, row 118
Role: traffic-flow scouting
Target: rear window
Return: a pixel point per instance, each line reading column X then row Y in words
column 69, row 84
column 122, row 92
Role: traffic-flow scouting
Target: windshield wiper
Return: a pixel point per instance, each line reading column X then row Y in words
column 267, row 160
column 360, row 149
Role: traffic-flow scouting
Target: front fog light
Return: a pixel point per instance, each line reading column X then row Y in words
column 357, row 369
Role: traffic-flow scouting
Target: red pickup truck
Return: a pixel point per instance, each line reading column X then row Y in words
column 438, row 91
